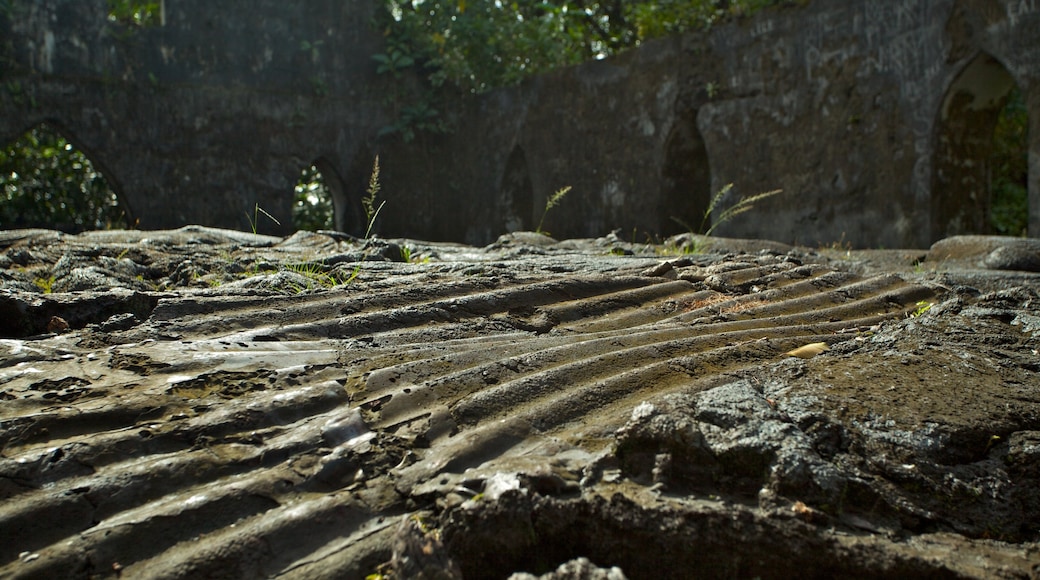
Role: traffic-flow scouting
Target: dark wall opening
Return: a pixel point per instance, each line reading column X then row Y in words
column 350, row 213
column 318, row 195
column 686, row 177
column 1009, row 162
column 963, row 183
column 517, row 193
column 48, row 180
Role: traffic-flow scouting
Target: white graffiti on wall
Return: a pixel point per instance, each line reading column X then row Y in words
column 901, row 40
column 1016, row 9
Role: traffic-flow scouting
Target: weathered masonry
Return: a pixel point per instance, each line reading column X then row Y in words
column 875, row 117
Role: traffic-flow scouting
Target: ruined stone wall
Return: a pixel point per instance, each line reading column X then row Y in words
column 871, row 115
column 843, row 105
column 198, row 119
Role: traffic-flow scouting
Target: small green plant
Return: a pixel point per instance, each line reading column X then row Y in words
column 395, row 60
column 409, row 256
column 46, row 285
column 552, row 202
column 313, row 48
column 315, row 272
column 353, row 275
column 257, row 210
column 697, row 244
column 712, row 88
column 368, row 203
column 922, row 307
column 695, row 247
column 840, row 245
column 745, row 204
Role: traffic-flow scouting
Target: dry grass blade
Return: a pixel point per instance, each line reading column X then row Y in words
column 552, row 202
column 715, row 199
column 736, row 209
column 369, row 202
column 557, row 197
column 808, row 351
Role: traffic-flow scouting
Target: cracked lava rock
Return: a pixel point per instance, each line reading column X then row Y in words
column 201, row 403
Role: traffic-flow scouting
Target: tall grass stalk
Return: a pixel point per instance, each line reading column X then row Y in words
column 552, row 202
column 745, row 204
column 254, row 221
column 369, row 202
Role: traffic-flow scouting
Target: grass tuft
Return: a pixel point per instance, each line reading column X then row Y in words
column 254, row 221
column 552, row 202
column 369, row 202
column 745, row 204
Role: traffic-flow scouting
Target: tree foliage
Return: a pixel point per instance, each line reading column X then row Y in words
column 312, row 203
column 1010, row 169
column 135, row 12
column 481, row 44
column 46, row 182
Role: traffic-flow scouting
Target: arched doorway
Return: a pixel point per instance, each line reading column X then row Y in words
column 685, row 178
column 1009, row 162
column 318, row 195
column 963, row 182
column 48, row 180
column 517, row 193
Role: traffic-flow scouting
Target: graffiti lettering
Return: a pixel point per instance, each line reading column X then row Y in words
column 1016, row 9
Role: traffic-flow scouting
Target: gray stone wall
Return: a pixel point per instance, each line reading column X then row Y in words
column 846, row 106
column 201, row 118
column 873, row 117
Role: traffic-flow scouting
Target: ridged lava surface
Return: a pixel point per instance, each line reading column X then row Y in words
column 242, row 435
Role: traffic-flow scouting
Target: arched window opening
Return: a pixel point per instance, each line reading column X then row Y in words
column 517, row 193
column 313, row 208
column 979, row 181
column 1009, row 163
column 685, row 178
column 319, row 200
column 48, row 182
column 350, row 212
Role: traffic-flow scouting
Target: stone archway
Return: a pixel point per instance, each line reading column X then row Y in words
column 686, row 177
column 60, row 183
column 346, row 197
column 344, row 216
column 314, row 204
column 517, row 193
column 961, row 190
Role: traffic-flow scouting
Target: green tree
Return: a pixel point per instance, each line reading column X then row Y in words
column 312, row 205
column 135, row 12
column 478, row 45
column 1009, row 204
column 46, row 182
column 481, row 44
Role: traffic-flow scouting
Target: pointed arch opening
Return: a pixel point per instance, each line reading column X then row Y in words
column 685, row 177
column 313, row 200
column 517, row 193
column 350, row 210
column 49, row 180
column 1009, row 162
column 320, row 200
column 980, row 176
